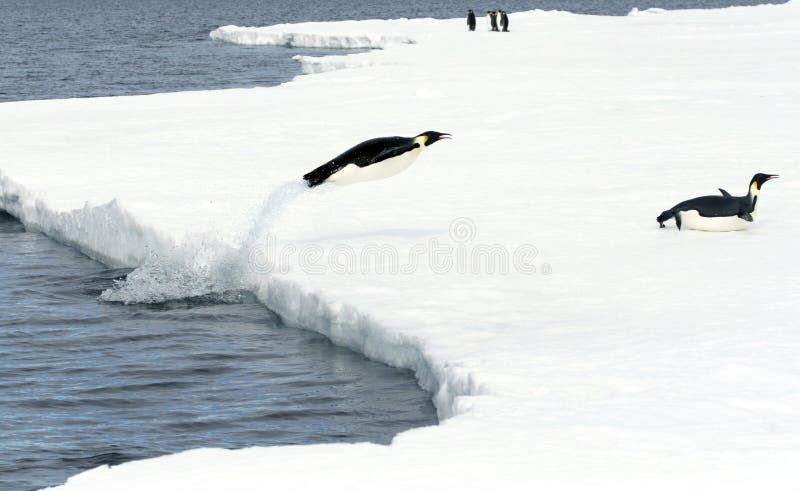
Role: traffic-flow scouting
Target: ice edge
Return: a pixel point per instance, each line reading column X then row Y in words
column 87, row 229
column 269, row 36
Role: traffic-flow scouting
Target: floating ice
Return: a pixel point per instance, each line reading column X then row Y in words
column 267, row 36
column 651, row 11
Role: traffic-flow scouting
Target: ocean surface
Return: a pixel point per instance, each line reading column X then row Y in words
column 85, row 383
column 53, row 49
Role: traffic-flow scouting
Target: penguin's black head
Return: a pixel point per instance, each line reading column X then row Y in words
column 432, row 137
column 759, row 179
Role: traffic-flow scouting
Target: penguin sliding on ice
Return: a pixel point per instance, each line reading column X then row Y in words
column 723, row 213
column 374, row 159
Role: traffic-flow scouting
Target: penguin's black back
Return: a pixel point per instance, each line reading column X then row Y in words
column 367, row 152
column 716, row 206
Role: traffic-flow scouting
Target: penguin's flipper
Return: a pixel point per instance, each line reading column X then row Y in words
column 678, row 220
column 724, row 193
column 394, row 152
column 746, row 216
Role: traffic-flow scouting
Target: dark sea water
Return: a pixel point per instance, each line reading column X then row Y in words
column 51, row 49
column 85, row 383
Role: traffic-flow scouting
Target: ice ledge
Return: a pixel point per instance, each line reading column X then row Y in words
column 111, row 235
column 345, row 326
column 320, row 64
column 280, row 36
column 106, row 233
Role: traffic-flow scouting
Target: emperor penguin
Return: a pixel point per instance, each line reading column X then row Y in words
column 493, row 20
column 503, row 21
column 724, row 213
column 471, row 20
column 489, row 19
column 373, row 159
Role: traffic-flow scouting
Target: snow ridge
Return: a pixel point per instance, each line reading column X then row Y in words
column 651, row 11
column 268, row 36
column 320, row 64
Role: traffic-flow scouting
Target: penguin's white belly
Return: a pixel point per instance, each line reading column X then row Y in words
column 693, row 220
column 386, row 168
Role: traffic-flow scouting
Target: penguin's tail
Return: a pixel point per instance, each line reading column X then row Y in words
column 664, row 216
column 313, row 179
column 316, row 176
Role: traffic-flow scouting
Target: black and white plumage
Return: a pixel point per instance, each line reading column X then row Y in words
column 373, row 159
column 503, row 21
column 724, row 213
column 491, row 20
column 471, row 20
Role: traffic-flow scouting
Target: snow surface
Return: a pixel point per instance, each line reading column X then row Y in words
column 633, row 358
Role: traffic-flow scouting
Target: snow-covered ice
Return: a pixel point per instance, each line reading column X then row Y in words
column 353, row 34
column 610, row 355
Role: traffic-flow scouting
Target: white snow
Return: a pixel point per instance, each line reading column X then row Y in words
column 365, row 34
column 632, row 358
column 636, row 11
column 319, row 64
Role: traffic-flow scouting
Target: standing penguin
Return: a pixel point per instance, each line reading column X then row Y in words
column 493, row 20
column 504, row 20
column 471, row 20
column 489, row 19
column 723, row 213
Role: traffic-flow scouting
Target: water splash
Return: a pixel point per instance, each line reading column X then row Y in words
column 183, row 272
column 272, row 209
column 204, row 267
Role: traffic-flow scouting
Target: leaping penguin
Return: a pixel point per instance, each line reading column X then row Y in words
column 373, row 159
column 723, row 213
